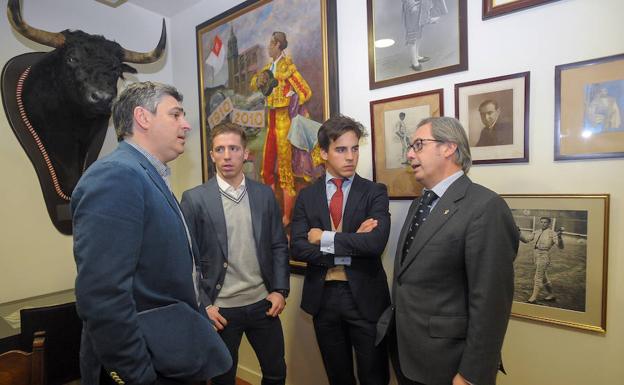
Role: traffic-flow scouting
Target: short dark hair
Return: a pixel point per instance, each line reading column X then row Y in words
column 547, row 218
column 280, row 38
column 335, row 127
column 488, row 101
column 141, row 94
column 228, row 128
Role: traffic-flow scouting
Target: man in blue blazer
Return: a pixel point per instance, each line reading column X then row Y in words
column 131, row 246
column 340, row 228
column 243, row 255
column 453, row 271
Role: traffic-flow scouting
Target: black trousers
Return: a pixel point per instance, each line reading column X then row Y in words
column 340, row 330
column 265, row 336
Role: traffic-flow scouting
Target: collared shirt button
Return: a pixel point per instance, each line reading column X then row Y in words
column 225, row 265
column 218, row 286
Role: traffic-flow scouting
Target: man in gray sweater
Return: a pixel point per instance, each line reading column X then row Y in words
column 243, row 255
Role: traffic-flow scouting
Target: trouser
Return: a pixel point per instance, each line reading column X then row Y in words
column 265, row 336
column 340, row 329
column 542, row 262
column 277, row 149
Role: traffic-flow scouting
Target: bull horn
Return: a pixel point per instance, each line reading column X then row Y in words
column 148, row 57
column 51, row 39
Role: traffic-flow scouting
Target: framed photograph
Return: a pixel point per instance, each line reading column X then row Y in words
column 589, row 102
column 393, row 121
column 412, row 39
column 271, row 67
column 561, row 267
column 495, row 115
column 493, row 8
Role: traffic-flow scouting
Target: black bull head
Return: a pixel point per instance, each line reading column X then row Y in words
column 59, row 103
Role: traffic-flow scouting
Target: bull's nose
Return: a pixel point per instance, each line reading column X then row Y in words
column 97, row 97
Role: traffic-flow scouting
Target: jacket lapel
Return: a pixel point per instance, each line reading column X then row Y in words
column 214, row 208
column 441, row 213
column 256, row 212
column 320, row 195
column 353, row 202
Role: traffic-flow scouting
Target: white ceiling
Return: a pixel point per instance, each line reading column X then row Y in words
column 166, row 8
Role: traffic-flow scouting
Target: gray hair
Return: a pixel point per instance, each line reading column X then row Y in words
column 450, row 130
column 140, row 94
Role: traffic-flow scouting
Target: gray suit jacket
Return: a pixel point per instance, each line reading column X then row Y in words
column 452, row 294
column 204, row 215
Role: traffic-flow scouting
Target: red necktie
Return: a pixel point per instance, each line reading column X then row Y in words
column 335, row 204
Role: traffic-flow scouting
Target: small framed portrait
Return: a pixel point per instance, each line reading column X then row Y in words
column 393, row 121
column 561, row 267
column 493, row 8
column 413, row 39
column 495, row 115
column 589, row 102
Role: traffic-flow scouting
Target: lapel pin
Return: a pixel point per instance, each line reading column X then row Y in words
column 446, row 211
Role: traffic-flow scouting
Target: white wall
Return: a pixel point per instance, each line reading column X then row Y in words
column 533, row 40
column 36, row 259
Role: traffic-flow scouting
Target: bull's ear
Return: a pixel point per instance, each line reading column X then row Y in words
column 127, row 68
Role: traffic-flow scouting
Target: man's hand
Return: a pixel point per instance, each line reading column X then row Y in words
column 367, row 226
column 278, row 303
column 460, row 380
column 213, row 313
column 314, row 236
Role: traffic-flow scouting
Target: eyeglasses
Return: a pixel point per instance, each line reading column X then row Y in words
column 419, row 143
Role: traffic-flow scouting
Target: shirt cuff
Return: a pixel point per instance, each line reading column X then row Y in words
column 327, row 242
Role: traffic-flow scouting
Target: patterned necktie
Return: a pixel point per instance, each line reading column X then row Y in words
column 422, row 211
column 335, row 204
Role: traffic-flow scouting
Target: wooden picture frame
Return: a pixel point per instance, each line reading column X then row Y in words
column 502, row 104
column 232, row 51
column 576, row 292
column 394, row 31
column 589, row 107
column 393, row 120
column 494, row 8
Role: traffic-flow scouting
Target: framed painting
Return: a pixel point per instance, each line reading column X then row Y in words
column 393, row 121
column 495, row 114
column 493, row 8
column 561, row 267
column 271, row 67
column 411, row 40
column 589, row 102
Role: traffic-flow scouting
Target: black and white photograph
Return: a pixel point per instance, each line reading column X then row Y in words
column 551, row 266
column 404, row 122
column 495, row 115
column 560, row 272
column 415, row 39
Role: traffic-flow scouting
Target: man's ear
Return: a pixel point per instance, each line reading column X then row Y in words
column 141, row 116
column 450, row 149
column 324, row 154
column 246, row 154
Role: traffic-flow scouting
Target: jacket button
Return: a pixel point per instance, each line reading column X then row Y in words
column 218, row 287
column 225, row 265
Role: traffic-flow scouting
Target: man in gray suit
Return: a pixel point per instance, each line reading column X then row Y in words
column 243, row 255
column 453, row 274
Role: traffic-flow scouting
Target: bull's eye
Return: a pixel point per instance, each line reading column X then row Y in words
column 72, row 60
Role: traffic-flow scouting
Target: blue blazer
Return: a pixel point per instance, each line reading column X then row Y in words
column 132, row 254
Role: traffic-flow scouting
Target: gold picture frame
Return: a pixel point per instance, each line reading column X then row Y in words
column 393, row 120
column 574, row 290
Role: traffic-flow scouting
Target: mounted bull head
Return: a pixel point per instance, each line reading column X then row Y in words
column 63, row 103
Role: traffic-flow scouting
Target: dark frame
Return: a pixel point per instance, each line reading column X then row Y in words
column 490, row 10
column 596, row 244
column 524, row 104
column 326, row 72
column 462, row 43
column 400, row 182
column 607, row 68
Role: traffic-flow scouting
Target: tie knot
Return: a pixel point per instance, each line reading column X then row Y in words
column 337, row 182
column 428, row 197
